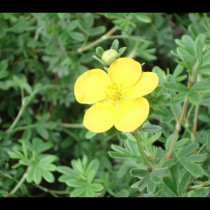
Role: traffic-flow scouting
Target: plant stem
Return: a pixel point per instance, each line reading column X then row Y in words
column 199, row 185
column 52, row 192
column 24, row 105
column 68, row 125
column 102, row 38
column 141, row 151
column 177, row 129
column 18, row 184
column 21, row 128
column 192, row 79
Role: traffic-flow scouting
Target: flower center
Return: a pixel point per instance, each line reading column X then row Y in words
column 115, row 94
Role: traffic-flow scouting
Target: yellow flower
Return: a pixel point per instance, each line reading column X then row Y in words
column 117, row 96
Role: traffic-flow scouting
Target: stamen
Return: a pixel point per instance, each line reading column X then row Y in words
column 115, row 94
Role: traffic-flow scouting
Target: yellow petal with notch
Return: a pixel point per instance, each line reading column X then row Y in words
column 90, row 86
column 100, row 117
column 145, row 85
column 125, row 72
column 131, row 114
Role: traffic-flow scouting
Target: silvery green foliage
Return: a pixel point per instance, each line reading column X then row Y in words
column 42, row 54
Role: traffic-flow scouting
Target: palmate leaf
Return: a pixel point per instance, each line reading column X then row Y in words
column 81, row 176
column 188, row 161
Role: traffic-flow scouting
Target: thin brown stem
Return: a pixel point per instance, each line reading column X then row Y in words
column 199, row 185
column 177, row 128
column 96, row 42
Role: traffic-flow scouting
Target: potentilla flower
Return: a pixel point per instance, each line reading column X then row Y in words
column 117, row 96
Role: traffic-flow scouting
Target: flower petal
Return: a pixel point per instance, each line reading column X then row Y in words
column 90, row 86
column 145, row 85
column 125, row 71
column 131, row 114
column 100, row 117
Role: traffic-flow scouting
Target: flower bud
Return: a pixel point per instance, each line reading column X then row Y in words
column 109, row 56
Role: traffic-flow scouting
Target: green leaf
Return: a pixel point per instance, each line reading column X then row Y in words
column 48, row 176
column 99, row 51
column 119, row 149
column 77, row 36
column 140, row 185
column 93, row 165
column 168, row 142
column 77, row 192
column 154, row 138
column 136, row 172
column 39, row 146
column 97, row 30
column 131, row 147
column 118, row 155
column 121, row 51
column 115, row 44
column 175, row 174
column 88, row 192
column 151, row 186
column 170, row 162
column 177, row 87
column 181, row 143
column 158, row 155
column 199, row 44
column 195, row 98
column 151, row 128
column 123, row 193
column 201, row 86
column 186, row 57
column 205, row 70
column 42, row 131
column 160, row 172
column 187, row 150
column 196, row 157
column 30, row 174
column 37, row 175
column 72, row 25
column 188, row 44
column 170, row 184
column 75, row 183
column 184, row 183
column 90, row 176
column 47, row 159
column 96, row 187
column 202, row 192
column 111, row 132
column 3, row 69
column 178, row 70
column 143, row 17
column 195, row 169
column 65, row 170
